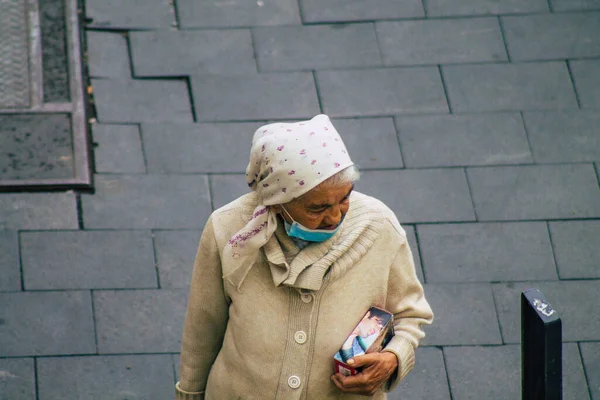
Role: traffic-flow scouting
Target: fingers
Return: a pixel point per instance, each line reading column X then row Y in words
column 364, row 360
column 351, row 381
column 365, row 381
column 355, row 384
column 376, row 369
column 336, row 381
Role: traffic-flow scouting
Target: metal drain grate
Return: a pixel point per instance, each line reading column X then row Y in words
column 36, row 146
column 43, row 130
column 14, row 57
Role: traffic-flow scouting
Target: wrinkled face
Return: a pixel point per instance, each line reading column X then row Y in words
column 370, row 326
column 321, row 208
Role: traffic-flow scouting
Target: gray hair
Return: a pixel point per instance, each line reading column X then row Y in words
column 348, row 175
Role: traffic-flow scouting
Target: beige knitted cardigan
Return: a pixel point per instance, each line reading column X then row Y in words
column 268, row 341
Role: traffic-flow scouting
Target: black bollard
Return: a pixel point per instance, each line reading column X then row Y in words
column 541, row 348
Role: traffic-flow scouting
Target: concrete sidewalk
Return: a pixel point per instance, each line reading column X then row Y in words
column 476, row 121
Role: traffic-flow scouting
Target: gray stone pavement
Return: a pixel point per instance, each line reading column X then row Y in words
column 476, row 121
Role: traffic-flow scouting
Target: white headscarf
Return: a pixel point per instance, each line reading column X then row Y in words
column 286, row 161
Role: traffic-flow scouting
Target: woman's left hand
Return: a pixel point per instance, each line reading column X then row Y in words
column 376, row 370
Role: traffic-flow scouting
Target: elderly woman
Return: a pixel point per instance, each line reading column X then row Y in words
column 283, row 275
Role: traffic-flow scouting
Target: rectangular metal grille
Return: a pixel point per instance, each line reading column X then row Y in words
column 43, row 129
column 14, row 62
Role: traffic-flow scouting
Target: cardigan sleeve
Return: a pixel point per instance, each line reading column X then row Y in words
column 205, row 320
column 406, row 300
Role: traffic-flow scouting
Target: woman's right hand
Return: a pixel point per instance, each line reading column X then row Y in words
column 376, row 370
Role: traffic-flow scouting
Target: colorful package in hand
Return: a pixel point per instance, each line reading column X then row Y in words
column 372, row 333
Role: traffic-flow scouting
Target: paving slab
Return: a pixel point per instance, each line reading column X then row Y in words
column 147, row 202
column 118, row 149
column 141, row 100
column 130, row 14
column 484, row 372
column 17, row 379
column 591, row 360
column 46, row 323
column 414, row 248
column 106, row 377
column 453, row 304
column 10, row 271
column 237, row 13
column 487, row 252
column 358, row 10
column 566, row 136
column 495, row 372
column 535, row 192
column 575, row 385
column 505, row 87
column 446, row 8
column 176, row 53
column 441, row 41
column 371, row 142
column 87, row 260
column 107, row 55
column 193, row 148
column 176, row 361
column 175, row 255
column 376, row 92
column 38, row 211
column 227, row 188
column 586, row 75
column 433, row 195
column 292, row 48
column 139, row 321
column 568, row 5
column 461, row 140
column 255, row 97
column 552, row 36
column 572, row 300
column 427, row 380
column 576, row 248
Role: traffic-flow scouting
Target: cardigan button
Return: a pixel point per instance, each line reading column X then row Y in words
column 300, row 337
column 305, row 297
column 294, row 382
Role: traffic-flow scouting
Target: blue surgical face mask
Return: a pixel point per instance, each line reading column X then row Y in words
column 310, row 235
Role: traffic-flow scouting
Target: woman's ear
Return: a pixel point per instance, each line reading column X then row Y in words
column 277, row 208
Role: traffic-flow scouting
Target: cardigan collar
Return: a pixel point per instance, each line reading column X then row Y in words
column 306, row 268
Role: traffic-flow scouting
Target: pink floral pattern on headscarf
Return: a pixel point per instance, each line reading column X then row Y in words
column 286, row 161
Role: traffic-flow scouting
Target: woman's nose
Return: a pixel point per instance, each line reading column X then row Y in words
column 334, row 216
